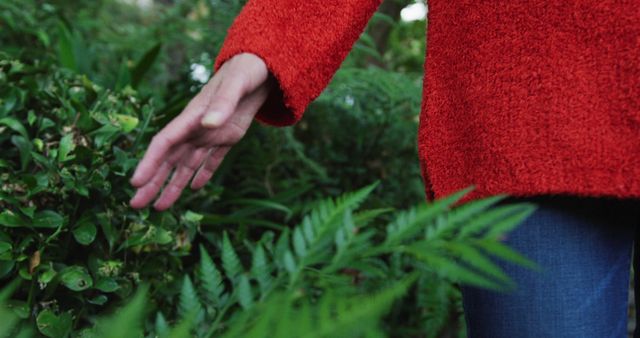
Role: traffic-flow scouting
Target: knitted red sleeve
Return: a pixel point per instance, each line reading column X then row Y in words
column 303, row 42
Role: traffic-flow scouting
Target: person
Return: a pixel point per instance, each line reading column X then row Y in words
column 536, row 99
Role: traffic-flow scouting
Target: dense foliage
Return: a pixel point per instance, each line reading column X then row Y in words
column 272, row 247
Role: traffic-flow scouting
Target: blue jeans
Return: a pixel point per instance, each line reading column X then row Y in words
column 584, row 247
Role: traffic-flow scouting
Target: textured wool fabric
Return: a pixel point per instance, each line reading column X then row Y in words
column 520, row 97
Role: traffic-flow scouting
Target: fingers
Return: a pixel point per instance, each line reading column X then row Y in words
column 227, row 103
column 224, row 101
column 180, row 128
column 235, row 127
column 180, row 178
column 146, row 193
column 209, row 167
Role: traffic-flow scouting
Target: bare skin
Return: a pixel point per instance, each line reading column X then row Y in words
column 194, row 143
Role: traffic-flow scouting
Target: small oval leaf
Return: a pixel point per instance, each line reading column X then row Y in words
column 51, row 325
column 107, row 285
column 85, row 234
column 76, row 278
column 47, row 219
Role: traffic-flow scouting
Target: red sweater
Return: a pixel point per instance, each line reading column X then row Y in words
column 520, row 97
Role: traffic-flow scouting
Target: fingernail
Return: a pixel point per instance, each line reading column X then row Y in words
column 212, row 119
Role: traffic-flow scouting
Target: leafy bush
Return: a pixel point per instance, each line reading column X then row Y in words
column 330, row 259
column 271, row 247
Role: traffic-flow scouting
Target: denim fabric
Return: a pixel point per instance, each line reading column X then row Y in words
column 584, row 248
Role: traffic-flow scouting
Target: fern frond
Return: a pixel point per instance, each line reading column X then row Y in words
column 362, row 219
column 479, row 225
column 127, row 321
column 498, row 229
column 314, row 237
column 290, row 262
column 307, row 229
column 161, row 326
column 436, row 300
column 245, row 295
column 328, row 212
column 299, row 244
column 183, row 329
column 261, row 270
column 425, row 216
column 502, row 251
column 333, row 315
column 468, row 255
column 446, row 267
column 210, row 279
column 230, row 260
column 282, row 246
column 189, row 303
column 350, row 243
column 456, row 217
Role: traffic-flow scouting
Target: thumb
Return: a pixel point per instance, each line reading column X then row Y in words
column 223, row 102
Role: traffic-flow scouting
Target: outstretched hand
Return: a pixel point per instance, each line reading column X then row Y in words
column 196, row 141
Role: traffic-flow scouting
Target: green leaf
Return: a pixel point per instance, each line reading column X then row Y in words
column 504, row 252
column 210, row 279
column 449, row 268
column 105, row 134
column 29, row 211
column 161, row 325
column 109, row 231
column 469, row 255
column 52, row 325
column 66, row 147
column 98, row 300
column 127, row 122
column 263, row 204
column 299, row 245
column 107, row 285
column 245, row 296
column 282, row 246
column 289, row 262
column 20, row 308
column 334, row 314
column 230, row 260
column 6, row 267
column 145, row 63
column 24, row 147
column 124, row 76
column 261, row 270
column 162, row 236
column 15, row 125
column 466, row 213
column 85, row 234
column 490, row 218
column 76, row 278
column 189, row 302
column 409, row 223
column 509, row 223
column 47, row 219
column 5, row 250
column 191, row 216
column 9, row 289
column 127, row 321
column 46, row 275
column 183, row 329
column 66, row 54
column 10, row 219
